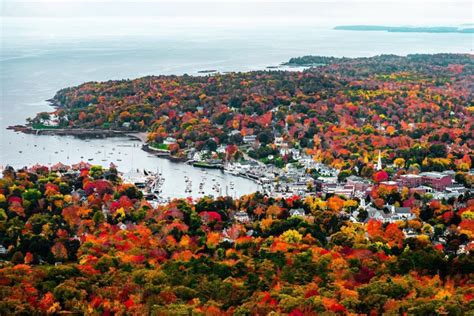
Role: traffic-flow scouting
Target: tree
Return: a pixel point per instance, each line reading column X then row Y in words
column 438, row 150
column 335, row 203
column 17, row 258
column 265, row 137
column 274, row 210
column 399, row 162
column 96, row 172
column 59, row 251
column 380, row 176
column 211, row 145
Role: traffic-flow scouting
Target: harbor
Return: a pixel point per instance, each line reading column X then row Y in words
column 153, row 184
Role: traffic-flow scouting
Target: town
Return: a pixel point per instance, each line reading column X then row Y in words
column 364, row 203
column 82, row 223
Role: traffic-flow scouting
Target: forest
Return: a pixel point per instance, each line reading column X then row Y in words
column 81, row 241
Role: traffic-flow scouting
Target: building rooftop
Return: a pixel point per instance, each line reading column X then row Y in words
column 410, row 175
column 433, row 174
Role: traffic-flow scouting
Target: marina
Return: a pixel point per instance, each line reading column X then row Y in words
column 153, row 184
column 127, row 155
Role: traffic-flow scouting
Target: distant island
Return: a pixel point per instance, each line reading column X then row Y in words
column 313, row 61
column 406, row 29
column 207, row 71
column 443, row 60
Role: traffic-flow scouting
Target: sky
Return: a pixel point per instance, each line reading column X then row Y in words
column 334, row 12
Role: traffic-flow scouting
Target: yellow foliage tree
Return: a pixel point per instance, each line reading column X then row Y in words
column 399, row 162
column 291, row 236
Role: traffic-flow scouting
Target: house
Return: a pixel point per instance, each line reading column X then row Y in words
column 169, row 141
column 53, row 121
column 325, row 171
column 297, row 188
column 373, row 213
column 297, row 212
column 305, row 180
column 295, row 153
column 3, row 250
column 250, row 139
column 241, row 217
column 233, row 132
column 327, row 179
column 279, row 141
column 394, row 214
column 400, row 213
column 410, row 233
column 226, row 236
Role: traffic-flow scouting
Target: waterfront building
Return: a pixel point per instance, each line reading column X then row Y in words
column 437, row 180
column 169, row 141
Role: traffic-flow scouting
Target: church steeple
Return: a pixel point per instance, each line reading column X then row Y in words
column 379, row 163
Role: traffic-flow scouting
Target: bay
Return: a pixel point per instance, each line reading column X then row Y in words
column 39, row 56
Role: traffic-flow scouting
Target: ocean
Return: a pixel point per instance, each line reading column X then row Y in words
column 39, row 56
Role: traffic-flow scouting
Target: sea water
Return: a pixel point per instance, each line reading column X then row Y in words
column 42, row 55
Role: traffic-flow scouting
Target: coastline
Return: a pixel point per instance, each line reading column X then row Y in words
column 140, row 136
column 87, row 133
column 80, row 133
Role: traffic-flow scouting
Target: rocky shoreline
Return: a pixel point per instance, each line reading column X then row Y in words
column 161, row 153
column 80, row 133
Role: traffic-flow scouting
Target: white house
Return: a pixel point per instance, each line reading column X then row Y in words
column 241, row 217
column 250, row 139
column 52, row 121
column 169, row 141
column 297, row 212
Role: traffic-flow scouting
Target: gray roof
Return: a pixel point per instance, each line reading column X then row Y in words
column 402, row 210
